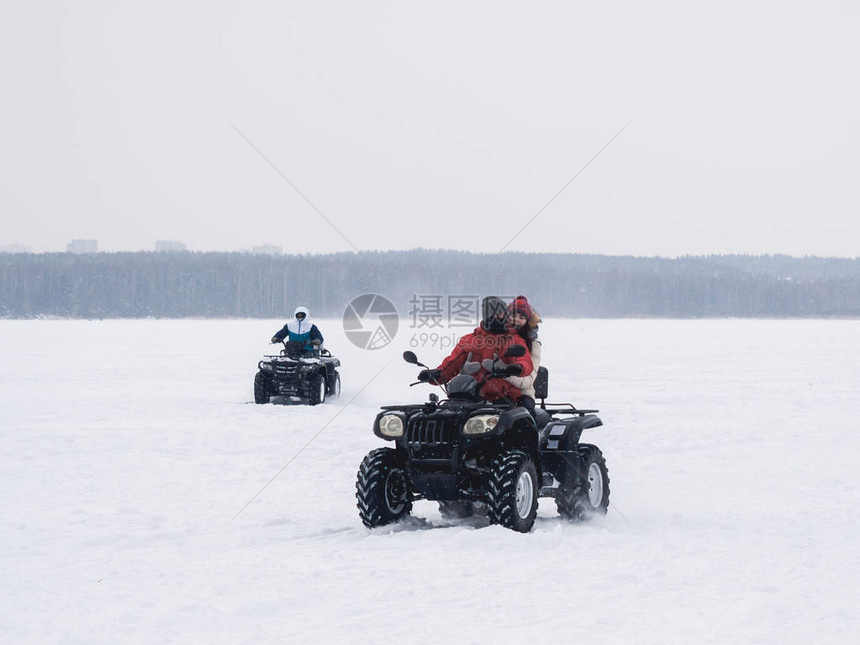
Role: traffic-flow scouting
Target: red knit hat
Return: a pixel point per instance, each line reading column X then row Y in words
column 520, row 306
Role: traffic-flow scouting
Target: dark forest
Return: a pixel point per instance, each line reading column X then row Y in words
column 178, row 285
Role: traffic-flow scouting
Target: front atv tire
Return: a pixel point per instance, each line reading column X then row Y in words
column 512, row 495
column 587, row 494
column 336, row 390
column 261, row 388
column 317, row 389
column 381, row 488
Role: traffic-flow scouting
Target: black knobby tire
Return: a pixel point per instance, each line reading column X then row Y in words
column 586, row 495
column 261, row 388
column 512, row 491
column 381, row 488
column 316, row 389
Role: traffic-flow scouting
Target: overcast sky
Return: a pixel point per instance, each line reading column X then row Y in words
column 443, row 124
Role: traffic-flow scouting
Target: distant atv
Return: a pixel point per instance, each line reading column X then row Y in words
column 470, row 454
column 297, row 376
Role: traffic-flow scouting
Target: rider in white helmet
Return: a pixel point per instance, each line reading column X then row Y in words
column 302, row 329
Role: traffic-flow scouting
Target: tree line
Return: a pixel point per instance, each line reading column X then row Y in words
column 177, row 285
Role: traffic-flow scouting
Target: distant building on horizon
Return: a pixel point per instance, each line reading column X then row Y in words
column 267, row 249
column 16, row 248
column 82, row 246
column 171, row 246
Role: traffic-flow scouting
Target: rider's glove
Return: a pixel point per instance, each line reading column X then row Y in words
column 316, row 342
column 494, row 365
column 429, row 375
column 511, row 369
column 470, row 367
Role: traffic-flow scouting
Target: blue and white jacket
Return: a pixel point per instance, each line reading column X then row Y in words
column 303, row 330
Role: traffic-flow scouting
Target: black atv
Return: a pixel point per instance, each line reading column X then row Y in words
column 471, row 455
column 297, row 376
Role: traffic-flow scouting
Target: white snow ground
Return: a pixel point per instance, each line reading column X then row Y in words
column 129, row 446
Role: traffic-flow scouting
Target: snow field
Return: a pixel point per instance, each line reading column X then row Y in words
column 129, row 448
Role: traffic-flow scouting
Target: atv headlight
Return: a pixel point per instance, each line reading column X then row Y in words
column 481, row 424
column 391, row 425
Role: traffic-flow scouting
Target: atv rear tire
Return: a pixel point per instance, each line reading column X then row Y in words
column 261, row 388
column 512, row 496
column 587, row 494
column 381, row 488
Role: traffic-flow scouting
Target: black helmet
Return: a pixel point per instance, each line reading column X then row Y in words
column 493, row 313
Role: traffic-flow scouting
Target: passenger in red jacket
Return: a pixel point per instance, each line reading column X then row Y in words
column 475, row 354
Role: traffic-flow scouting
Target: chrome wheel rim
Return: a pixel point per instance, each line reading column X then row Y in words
column 595, row 484
column 524, row 495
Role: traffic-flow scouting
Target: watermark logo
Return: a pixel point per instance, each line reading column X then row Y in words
column 370, row 321
column 439, row 320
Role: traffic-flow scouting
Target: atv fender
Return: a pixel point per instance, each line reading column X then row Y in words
column 563, row 434
column 518, row 428
column 515, row 417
